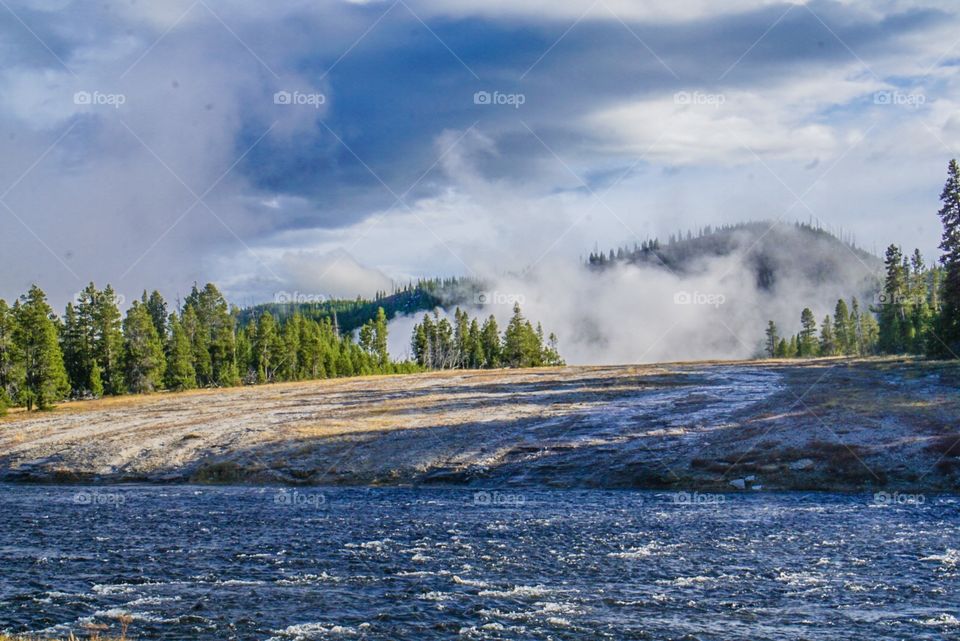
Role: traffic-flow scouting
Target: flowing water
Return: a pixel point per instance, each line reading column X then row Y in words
column 269, row 563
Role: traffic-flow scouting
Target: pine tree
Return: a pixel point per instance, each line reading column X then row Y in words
column 920, row 316
column 199, row 345
column 11, row 370
column 420, row 343
column 157, row 308
column 38, row 348
column 783, row 350
column 95, row 384
column 215, row 333
column 474, row 346
column 891, row 309
column 828, row 345
column 551, row 352
column 792, row 348
column 947, row 341
column 807, row 342
column 841, row 329
column 490, row 340
column 380, row 339
column 772, row 339
column 143, row 352
column 461, row 334
column 522, row 345
column 855, row 330
column 74, row 358
column 267, row 349
column 108, row 339
column 180, row 374
column 870, row 334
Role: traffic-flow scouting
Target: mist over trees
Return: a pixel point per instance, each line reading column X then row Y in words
column 916, row 311
column 438, row 344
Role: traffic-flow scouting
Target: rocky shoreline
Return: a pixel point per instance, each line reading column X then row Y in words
column 829, row 424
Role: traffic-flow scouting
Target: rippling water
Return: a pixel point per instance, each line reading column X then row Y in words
column 265, row 563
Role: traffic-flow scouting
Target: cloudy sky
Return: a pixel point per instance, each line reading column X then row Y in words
column 329, row 148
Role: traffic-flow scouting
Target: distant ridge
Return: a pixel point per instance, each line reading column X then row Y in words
column 774, row 250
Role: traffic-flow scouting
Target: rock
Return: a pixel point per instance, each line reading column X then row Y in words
column 740, row 484
column 802, row 464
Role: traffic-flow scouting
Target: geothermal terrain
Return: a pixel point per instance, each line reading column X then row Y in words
column 823, row 424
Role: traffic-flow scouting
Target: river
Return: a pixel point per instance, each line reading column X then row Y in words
column 218, row 563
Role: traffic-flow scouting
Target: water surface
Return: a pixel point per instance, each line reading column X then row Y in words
column 268, row 563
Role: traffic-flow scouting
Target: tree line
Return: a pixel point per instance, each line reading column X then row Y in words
column 916, row 311
column 439, row 344
column 93, row 350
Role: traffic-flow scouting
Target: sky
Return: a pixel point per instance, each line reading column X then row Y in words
column 309, row 149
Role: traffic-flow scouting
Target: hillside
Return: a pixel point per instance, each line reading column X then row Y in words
column 774, row 252
column 350, row 314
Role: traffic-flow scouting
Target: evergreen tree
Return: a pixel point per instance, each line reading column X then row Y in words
column 920, row 317
column 108, row 339
column 180, row 374
column 807, row 342
column 267, row 349
column 783, row 350
column 38, row 348
column 551, row 352
column 522, row 346
column 490, row 340
column 828, row 344
column 74, row 355
column 11, row 370
column 96, row 381
column 215, row 333
column 947, row 342
column 380, row 342
column 461, row 336
column 143, row 352
column 157, row 308
column 891, row 309
column 841, row 329
column 855, row 330
column 772, row 339
column 474, row 346
column 199, row 345
column 420, row 343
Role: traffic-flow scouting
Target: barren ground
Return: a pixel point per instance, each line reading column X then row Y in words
column 822, row 424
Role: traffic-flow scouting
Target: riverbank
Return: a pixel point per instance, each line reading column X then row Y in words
column 829, row 424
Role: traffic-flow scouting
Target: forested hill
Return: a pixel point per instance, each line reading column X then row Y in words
column 424, row 295
column 773, row 250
